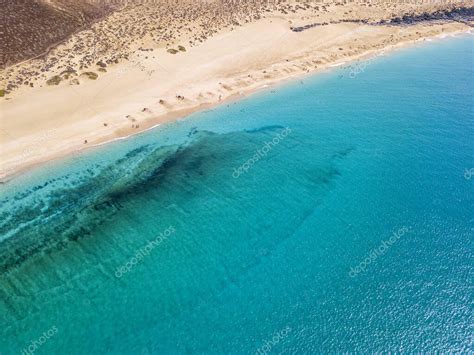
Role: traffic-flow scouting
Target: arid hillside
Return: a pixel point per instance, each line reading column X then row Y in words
column 84, row 39
column 29, row 27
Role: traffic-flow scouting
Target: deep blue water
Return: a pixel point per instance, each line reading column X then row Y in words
column 353, row 232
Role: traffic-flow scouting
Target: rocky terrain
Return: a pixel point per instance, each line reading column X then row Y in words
column 29, row 27
column 461, row 14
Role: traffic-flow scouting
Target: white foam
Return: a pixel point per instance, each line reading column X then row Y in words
column 126, row 137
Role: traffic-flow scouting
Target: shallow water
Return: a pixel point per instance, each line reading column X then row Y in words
column 278, row 258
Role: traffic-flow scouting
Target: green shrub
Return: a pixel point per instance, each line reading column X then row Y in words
column 55, row 80
column 91, row 75
column 68, row 72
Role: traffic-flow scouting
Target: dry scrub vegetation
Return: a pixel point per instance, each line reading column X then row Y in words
column 96, row 34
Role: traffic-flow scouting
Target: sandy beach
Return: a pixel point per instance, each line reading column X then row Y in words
column 71, row 109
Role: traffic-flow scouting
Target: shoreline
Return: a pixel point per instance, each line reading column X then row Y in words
column 176, row 112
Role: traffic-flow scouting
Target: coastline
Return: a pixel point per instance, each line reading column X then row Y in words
column 370, row 157
column 231, row 84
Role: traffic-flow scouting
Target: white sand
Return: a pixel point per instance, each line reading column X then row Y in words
column 42, row 123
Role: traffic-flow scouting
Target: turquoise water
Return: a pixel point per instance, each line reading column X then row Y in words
column 349, row 229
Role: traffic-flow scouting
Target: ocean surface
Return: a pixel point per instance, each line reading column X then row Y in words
column 329, row 214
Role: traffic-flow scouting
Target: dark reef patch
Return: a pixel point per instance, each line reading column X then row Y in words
column 50, row 215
